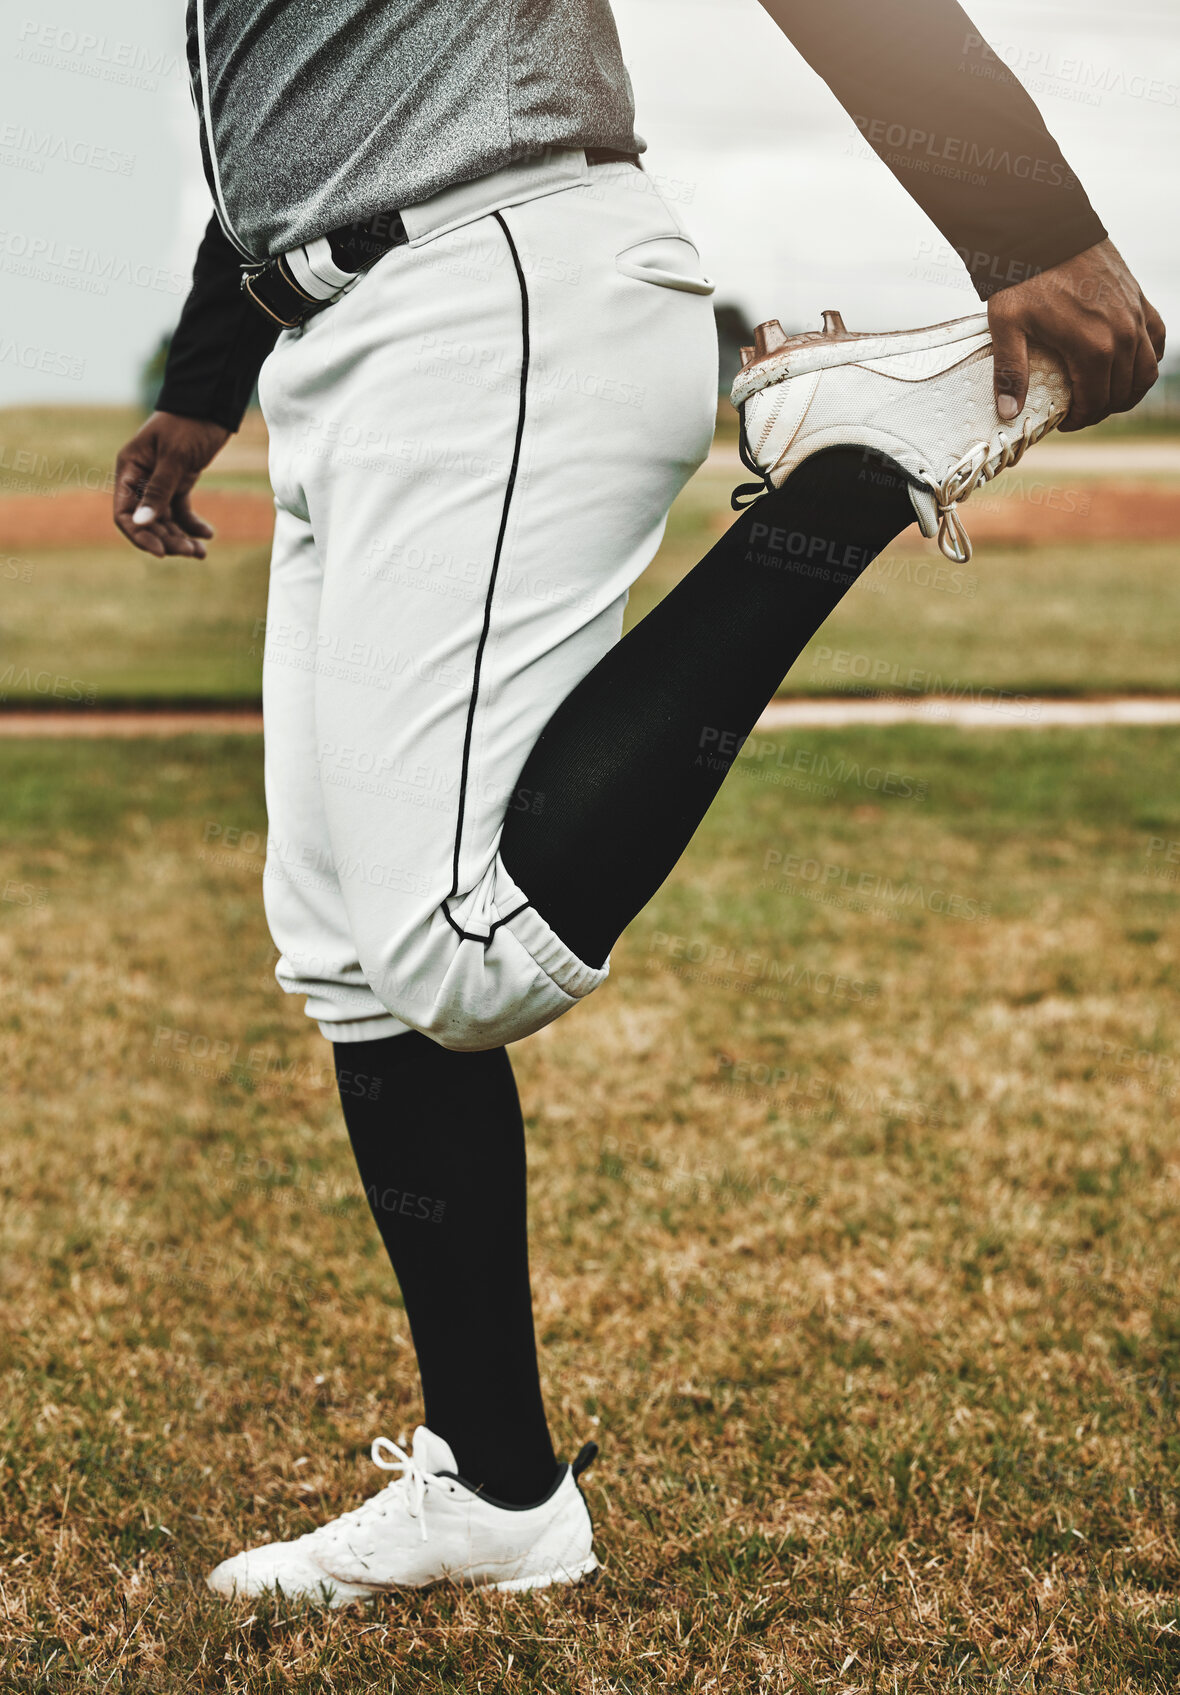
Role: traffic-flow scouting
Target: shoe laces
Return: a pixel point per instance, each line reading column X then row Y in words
column 980, row 464
column 747, row 493
column 407, row 1493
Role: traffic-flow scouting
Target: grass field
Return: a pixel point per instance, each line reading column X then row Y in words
column 96, row 624
column 854, row 1202
column 1060, row 618
column 42, row 447
column 110, row 624
column 102, row 624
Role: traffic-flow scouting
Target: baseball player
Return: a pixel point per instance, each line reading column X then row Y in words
column 485, row 352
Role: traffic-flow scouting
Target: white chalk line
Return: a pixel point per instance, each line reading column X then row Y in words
column 1007, row 711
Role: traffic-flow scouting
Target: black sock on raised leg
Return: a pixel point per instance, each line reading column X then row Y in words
column 627, row 766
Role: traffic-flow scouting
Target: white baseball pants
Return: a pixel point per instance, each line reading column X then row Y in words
column 473, row 453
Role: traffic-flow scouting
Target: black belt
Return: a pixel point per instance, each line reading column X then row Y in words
column 355, row 248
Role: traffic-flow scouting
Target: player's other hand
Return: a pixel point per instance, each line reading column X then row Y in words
column 154, row 476
column 1091, row 313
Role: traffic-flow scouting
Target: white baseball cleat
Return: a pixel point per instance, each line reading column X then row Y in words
column 922, row 398
column 426, row 1527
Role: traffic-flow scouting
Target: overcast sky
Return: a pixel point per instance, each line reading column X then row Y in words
column 790, row 210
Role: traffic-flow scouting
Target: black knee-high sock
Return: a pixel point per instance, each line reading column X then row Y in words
column 629, row 763
column 442, row 1159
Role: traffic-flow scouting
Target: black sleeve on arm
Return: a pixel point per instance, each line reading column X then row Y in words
column 954, row 126
column 220, row 342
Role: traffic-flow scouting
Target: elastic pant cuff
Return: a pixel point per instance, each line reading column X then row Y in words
column 363, row 1029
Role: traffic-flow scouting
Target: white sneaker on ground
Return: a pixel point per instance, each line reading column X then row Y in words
column 426, row 1527
column 922, row 398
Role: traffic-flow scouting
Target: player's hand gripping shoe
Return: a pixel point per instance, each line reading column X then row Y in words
column 923, row 398
column 426, row 1527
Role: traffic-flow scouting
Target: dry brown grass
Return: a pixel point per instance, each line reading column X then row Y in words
column 853, row 1233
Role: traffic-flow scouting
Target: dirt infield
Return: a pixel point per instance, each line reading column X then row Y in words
column 1027, row 511
column 81, row 517
column 1040, row 510
column 123, row 726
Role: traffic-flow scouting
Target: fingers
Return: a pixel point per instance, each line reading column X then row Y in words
column 188, row 520
column 164, row 537
column 1088, row 349
column 1110, row 370
column 146, row 540
column 1145, row 373
column 129, row 476
column 154, row 475
column 145, row 496
column 177, row 540
column 1090, row 313
column 1010, row 359
column 1156, row 333
column 131, row 472
column 156, row 495
column 1089, row 386
column 1121, row 395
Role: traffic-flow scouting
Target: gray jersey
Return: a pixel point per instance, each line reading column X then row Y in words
column 314, row 113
